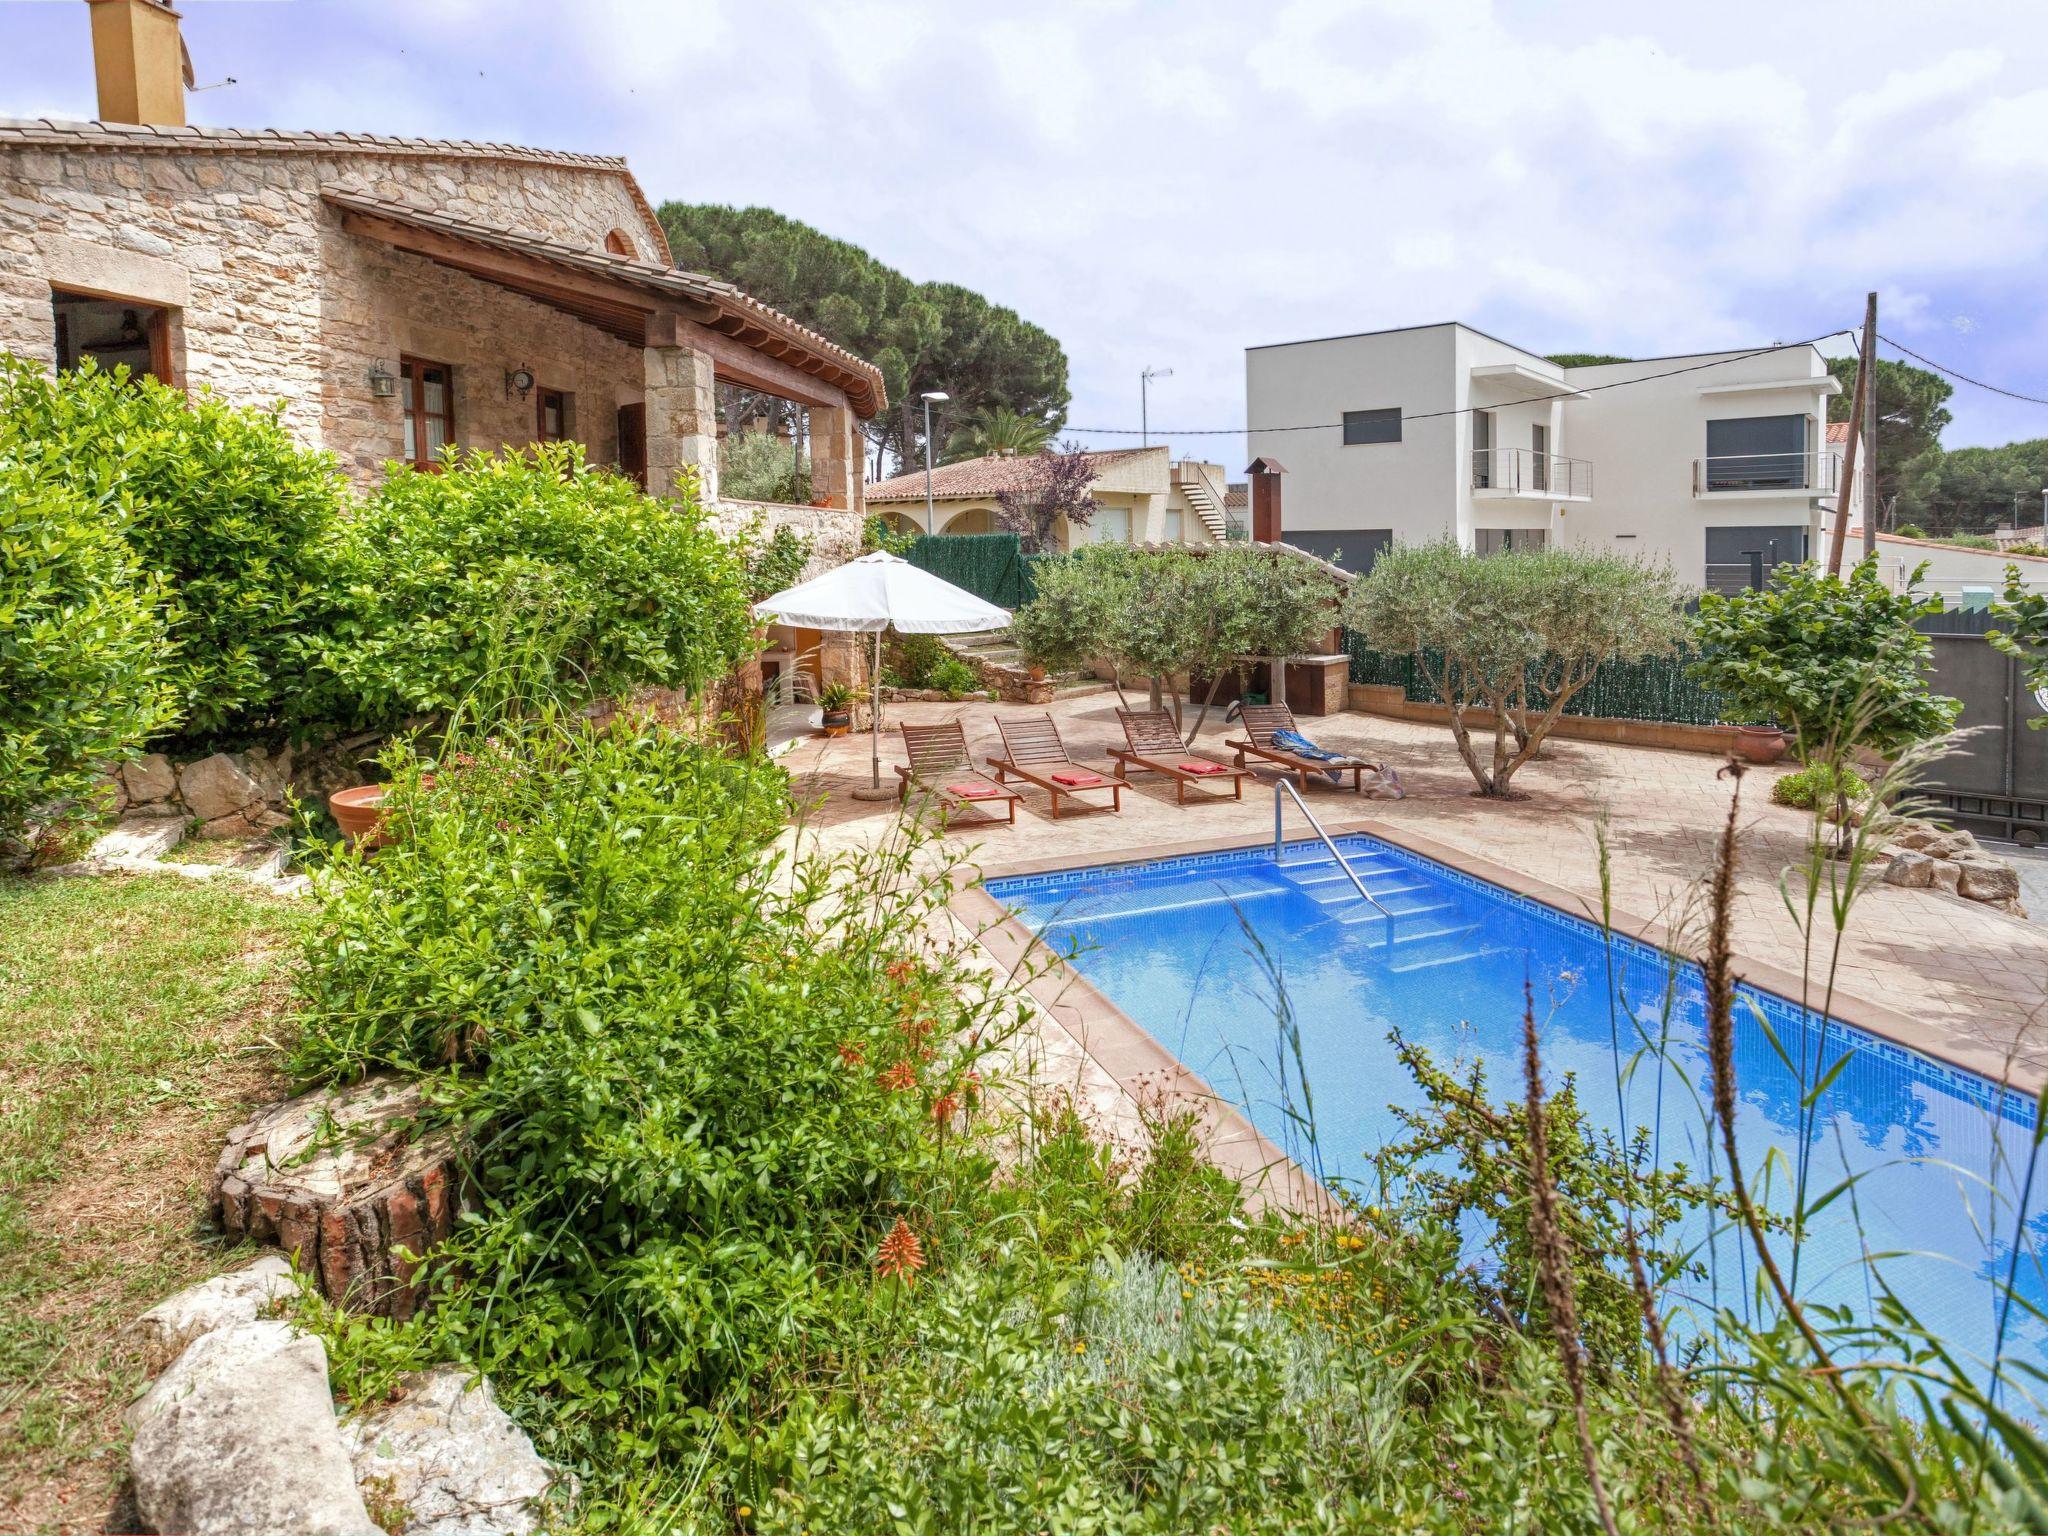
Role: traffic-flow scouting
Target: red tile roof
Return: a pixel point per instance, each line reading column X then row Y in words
column 1838, row 432
column 988, row 476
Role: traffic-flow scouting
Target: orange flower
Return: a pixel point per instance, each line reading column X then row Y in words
column 901, row 1255
column 973, row 1082
column 898, row 970
column 853, row 1052
column 899, row 1078
column 945, row 1107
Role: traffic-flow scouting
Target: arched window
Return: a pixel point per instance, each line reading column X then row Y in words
column 619, row 243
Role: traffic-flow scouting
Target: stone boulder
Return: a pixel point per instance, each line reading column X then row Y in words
column 239, row 1436
column 1983, row 878
column 149, row 780
column 217, row 787
column 1947, row 877
column 241, row 1296
column 1912, row 870
column 443, row 1459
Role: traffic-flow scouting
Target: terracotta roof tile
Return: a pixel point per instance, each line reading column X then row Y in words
column 988, row 476
column 1838, row 432
column 652, row 276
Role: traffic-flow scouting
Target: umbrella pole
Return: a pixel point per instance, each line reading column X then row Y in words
column 873, row 789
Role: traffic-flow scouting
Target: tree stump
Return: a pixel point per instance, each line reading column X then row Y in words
column 342, row 1180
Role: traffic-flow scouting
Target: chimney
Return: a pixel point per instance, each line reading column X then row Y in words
column 139, row 62
column 1264, row 475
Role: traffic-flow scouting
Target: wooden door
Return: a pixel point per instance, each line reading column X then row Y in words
column 633, row 442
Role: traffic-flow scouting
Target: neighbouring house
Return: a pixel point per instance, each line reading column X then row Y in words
column 1715, row 462
column 1966, row 578
column 2007, row 537
column 1142, row 496
column 396, row 295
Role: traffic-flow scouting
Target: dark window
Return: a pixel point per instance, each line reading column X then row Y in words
column 552, row 415
column 1745, row 557
column 429, row 390
column 1505, row 541
column 1352, row 549
column 1756, row 453
column 113, row 333
column 1381, row 426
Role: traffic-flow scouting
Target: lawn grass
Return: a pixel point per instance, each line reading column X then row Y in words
column 134, row 1016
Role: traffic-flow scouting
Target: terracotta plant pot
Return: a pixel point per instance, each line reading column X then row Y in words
column 1760, row 743
column 1035, row 672
column 359, row 812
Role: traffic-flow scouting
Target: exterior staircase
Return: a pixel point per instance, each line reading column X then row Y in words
column 1427, row 930
column 1203, row 495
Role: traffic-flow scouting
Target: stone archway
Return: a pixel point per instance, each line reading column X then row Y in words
column 972, row 520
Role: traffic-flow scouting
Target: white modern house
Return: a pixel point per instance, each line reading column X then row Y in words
column 1715, row 462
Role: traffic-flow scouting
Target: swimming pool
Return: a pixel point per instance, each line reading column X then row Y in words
column 1192, row 948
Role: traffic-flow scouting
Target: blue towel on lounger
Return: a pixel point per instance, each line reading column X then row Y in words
column 1301, row 746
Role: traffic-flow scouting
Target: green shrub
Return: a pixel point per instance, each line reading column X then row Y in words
column 955, row 678
column 702, row 1090
column 1819, row 785
column 910, row 661
column 82, row 646
column 1836, row 658
column 758, row 466
column 216, row 499
column 1910, row 531
column 528, row 569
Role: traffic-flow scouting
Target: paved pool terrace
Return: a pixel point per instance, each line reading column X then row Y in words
column 1954, row 979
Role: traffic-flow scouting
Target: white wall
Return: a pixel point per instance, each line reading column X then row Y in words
column 1410, row 486
column 1641, row 439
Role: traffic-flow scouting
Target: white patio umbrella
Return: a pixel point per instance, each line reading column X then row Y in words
column 873, row 593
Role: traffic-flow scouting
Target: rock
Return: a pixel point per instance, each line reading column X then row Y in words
column 1947, row 877
column 1915, row 836
column 1987, row 879
column 217, row 786
column 271, row 771
column 138, row 838
column 1912, row 870
column 149, row 779
column 242, row 1296
column 240, row 824
column 239, row 1436
column 443, row 1459
column 1951, row 845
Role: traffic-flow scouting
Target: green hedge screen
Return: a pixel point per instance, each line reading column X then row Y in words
column 1660, row 688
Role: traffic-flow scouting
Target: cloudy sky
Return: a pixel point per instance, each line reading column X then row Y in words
column 1164, row 184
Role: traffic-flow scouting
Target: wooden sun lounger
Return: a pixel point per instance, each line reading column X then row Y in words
column 1155, row 745
column 1261, row 721
column 1033, row 751
column 939, row 765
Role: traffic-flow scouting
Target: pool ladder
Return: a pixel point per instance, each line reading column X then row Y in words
column 1285, row 786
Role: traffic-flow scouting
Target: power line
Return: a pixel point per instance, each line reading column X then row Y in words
column 2010, row 394
column 1562, row 394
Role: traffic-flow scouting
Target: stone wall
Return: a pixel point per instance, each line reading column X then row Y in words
column 274, row 301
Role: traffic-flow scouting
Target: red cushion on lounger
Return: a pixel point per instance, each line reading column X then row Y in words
column 974, row 791
column 1077, row 780
column 1203, row 768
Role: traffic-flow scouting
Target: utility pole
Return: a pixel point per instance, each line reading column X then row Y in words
column 1869, row 369
column 1865, row 399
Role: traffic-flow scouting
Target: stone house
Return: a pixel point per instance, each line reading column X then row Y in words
column 396, row 295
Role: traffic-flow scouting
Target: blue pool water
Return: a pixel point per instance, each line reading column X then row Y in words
column 1943, row 1151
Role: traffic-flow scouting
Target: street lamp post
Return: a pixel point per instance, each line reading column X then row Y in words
column 928, row 397
column 1144, row 391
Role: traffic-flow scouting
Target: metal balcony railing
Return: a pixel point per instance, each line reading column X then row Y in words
column 1816, row 473
column 1525, row 472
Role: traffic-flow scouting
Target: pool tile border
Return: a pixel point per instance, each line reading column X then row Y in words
column 1978, row 1072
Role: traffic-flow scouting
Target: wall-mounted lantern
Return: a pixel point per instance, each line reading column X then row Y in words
column 382, row 384
column 521, row 379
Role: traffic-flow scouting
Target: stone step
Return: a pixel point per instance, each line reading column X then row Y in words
column 139, row 837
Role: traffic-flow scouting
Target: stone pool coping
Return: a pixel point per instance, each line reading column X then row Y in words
column 1139, row 1063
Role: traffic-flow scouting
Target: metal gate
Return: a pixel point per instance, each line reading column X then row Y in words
column 1996, row 780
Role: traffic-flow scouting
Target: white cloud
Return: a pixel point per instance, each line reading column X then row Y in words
column 1167, row 181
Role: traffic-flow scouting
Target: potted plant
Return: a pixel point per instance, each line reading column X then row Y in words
column 837, row 703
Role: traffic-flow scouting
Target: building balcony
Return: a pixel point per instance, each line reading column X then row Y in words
column 1523, row 472
column 1767, row 474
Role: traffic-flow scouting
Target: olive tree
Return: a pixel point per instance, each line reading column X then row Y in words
column 2023, row 633
column 1509, row 640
